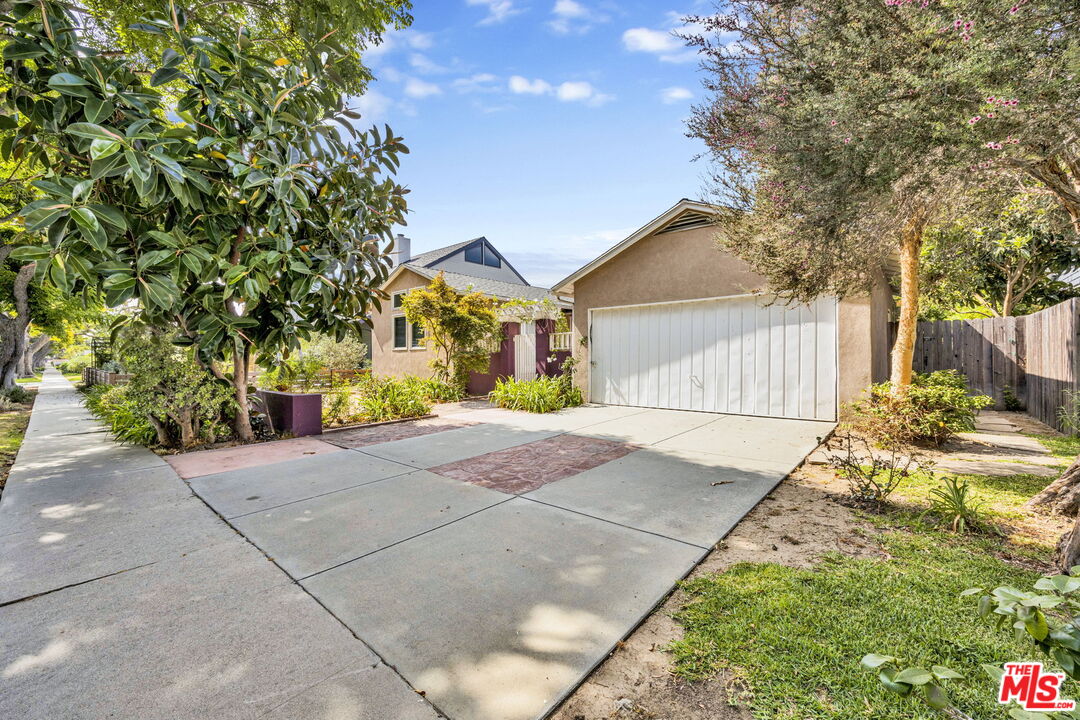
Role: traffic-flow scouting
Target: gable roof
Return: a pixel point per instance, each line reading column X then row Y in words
column 682, row 215
column 466, row 283
column 432, row 257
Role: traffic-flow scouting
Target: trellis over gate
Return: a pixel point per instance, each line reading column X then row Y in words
column 1037, row 355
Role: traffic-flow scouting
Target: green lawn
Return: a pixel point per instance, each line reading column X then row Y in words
column 73, row 377
column 1067, row 446
column 12, row 427
column 1000, row 496
column 795, row 637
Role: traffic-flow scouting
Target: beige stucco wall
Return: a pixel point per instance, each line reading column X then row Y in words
column 686, row 265
column 385, row 360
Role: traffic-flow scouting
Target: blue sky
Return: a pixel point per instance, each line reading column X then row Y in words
column 552, row 127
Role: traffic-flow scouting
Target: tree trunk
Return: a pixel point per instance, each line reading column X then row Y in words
column 22, row 368
column 242, row 420
column 13, row 329
column 1061, row 497
column 1067, row 553
column 39, row 348
column 162, row 432
column 904, row 350
column 1061, row 176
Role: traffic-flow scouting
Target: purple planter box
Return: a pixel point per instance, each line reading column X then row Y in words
column 296, row 413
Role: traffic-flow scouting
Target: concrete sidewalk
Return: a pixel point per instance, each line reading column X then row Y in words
column 123, row 595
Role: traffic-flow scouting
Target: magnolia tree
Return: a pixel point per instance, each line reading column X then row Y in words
column 290, row 26
column 248, row 213
column 1007, row 260
column 841, row 131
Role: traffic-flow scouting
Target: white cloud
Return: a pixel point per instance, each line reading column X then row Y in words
column 662, row 43
column 372, row 106
column 479, row 82
column 569, row 9
column 524, row 86
column 565, row 255
column 396, row 39
column 571, row 16
column 569, row 91
column 416, row 88
column 422, row 63
column 498, row 10
column 672, row 95
column 581, row 91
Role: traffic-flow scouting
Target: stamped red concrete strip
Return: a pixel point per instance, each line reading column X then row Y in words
column 362, row 437
column 208, row 462
column 527, row 467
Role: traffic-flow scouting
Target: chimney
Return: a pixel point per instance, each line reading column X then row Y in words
column 402, row 252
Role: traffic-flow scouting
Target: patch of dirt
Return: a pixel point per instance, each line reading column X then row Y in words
column 795, row 525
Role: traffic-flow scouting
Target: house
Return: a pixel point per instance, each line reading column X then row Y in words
column 397, row 347
column 664, row 319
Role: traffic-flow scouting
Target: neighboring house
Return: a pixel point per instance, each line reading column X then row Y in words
column 397, row 346
column 670, row 321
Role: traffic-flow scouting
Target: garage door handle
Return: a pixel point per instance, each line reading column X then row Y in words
column 697, row 381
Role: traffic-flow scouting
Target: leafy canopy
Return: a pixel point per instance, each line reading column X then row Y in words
column 460, row 328
column 289, row 27
column 248, row 214
column 834, row 123
column 1007, row 260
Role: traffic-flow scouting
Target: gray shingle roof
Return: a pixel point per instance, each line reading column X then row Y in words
column 496, row 288
column 437, row 254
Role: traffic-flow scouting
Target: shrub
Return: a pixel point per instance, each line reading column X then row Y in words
column 435, row 391
column 381, row 399
column 1010, row 400
column 871, row 477
column 541, row 395
column 934, row 407
column 339, row 405
column 952, row 501
column 345, row 354
column 117, row 408
column 298, row 373
column 18, row 394
column 1069, row 412
column 74, row 364
column 181, row 400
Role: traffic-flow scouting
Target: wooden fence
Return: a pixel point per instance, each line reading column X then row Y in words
column 94, row 376
column 1037, row 356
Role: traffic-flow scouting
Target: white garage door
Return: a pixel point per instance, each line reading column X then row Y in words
column 734, row 355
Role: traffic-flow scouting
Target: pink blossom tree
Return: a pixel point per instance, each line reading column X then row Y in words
column 839, row 132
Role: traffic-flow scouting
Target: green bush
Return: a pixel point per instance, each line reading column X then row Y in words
column 381, row 399
column 292, row 374
column 435, row 391
column 934, row 408
column 117, row 407
column 18, row 394
column 339, row 406
column 74, row 364
column 542, row 395
column 340, row 355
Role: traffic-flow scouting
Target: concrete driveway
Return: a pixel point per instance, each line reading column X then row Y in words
column 494, row 558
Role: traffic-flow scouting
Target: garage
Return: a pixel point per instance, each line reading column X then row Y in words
column 667, row 319
column 744, row 355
